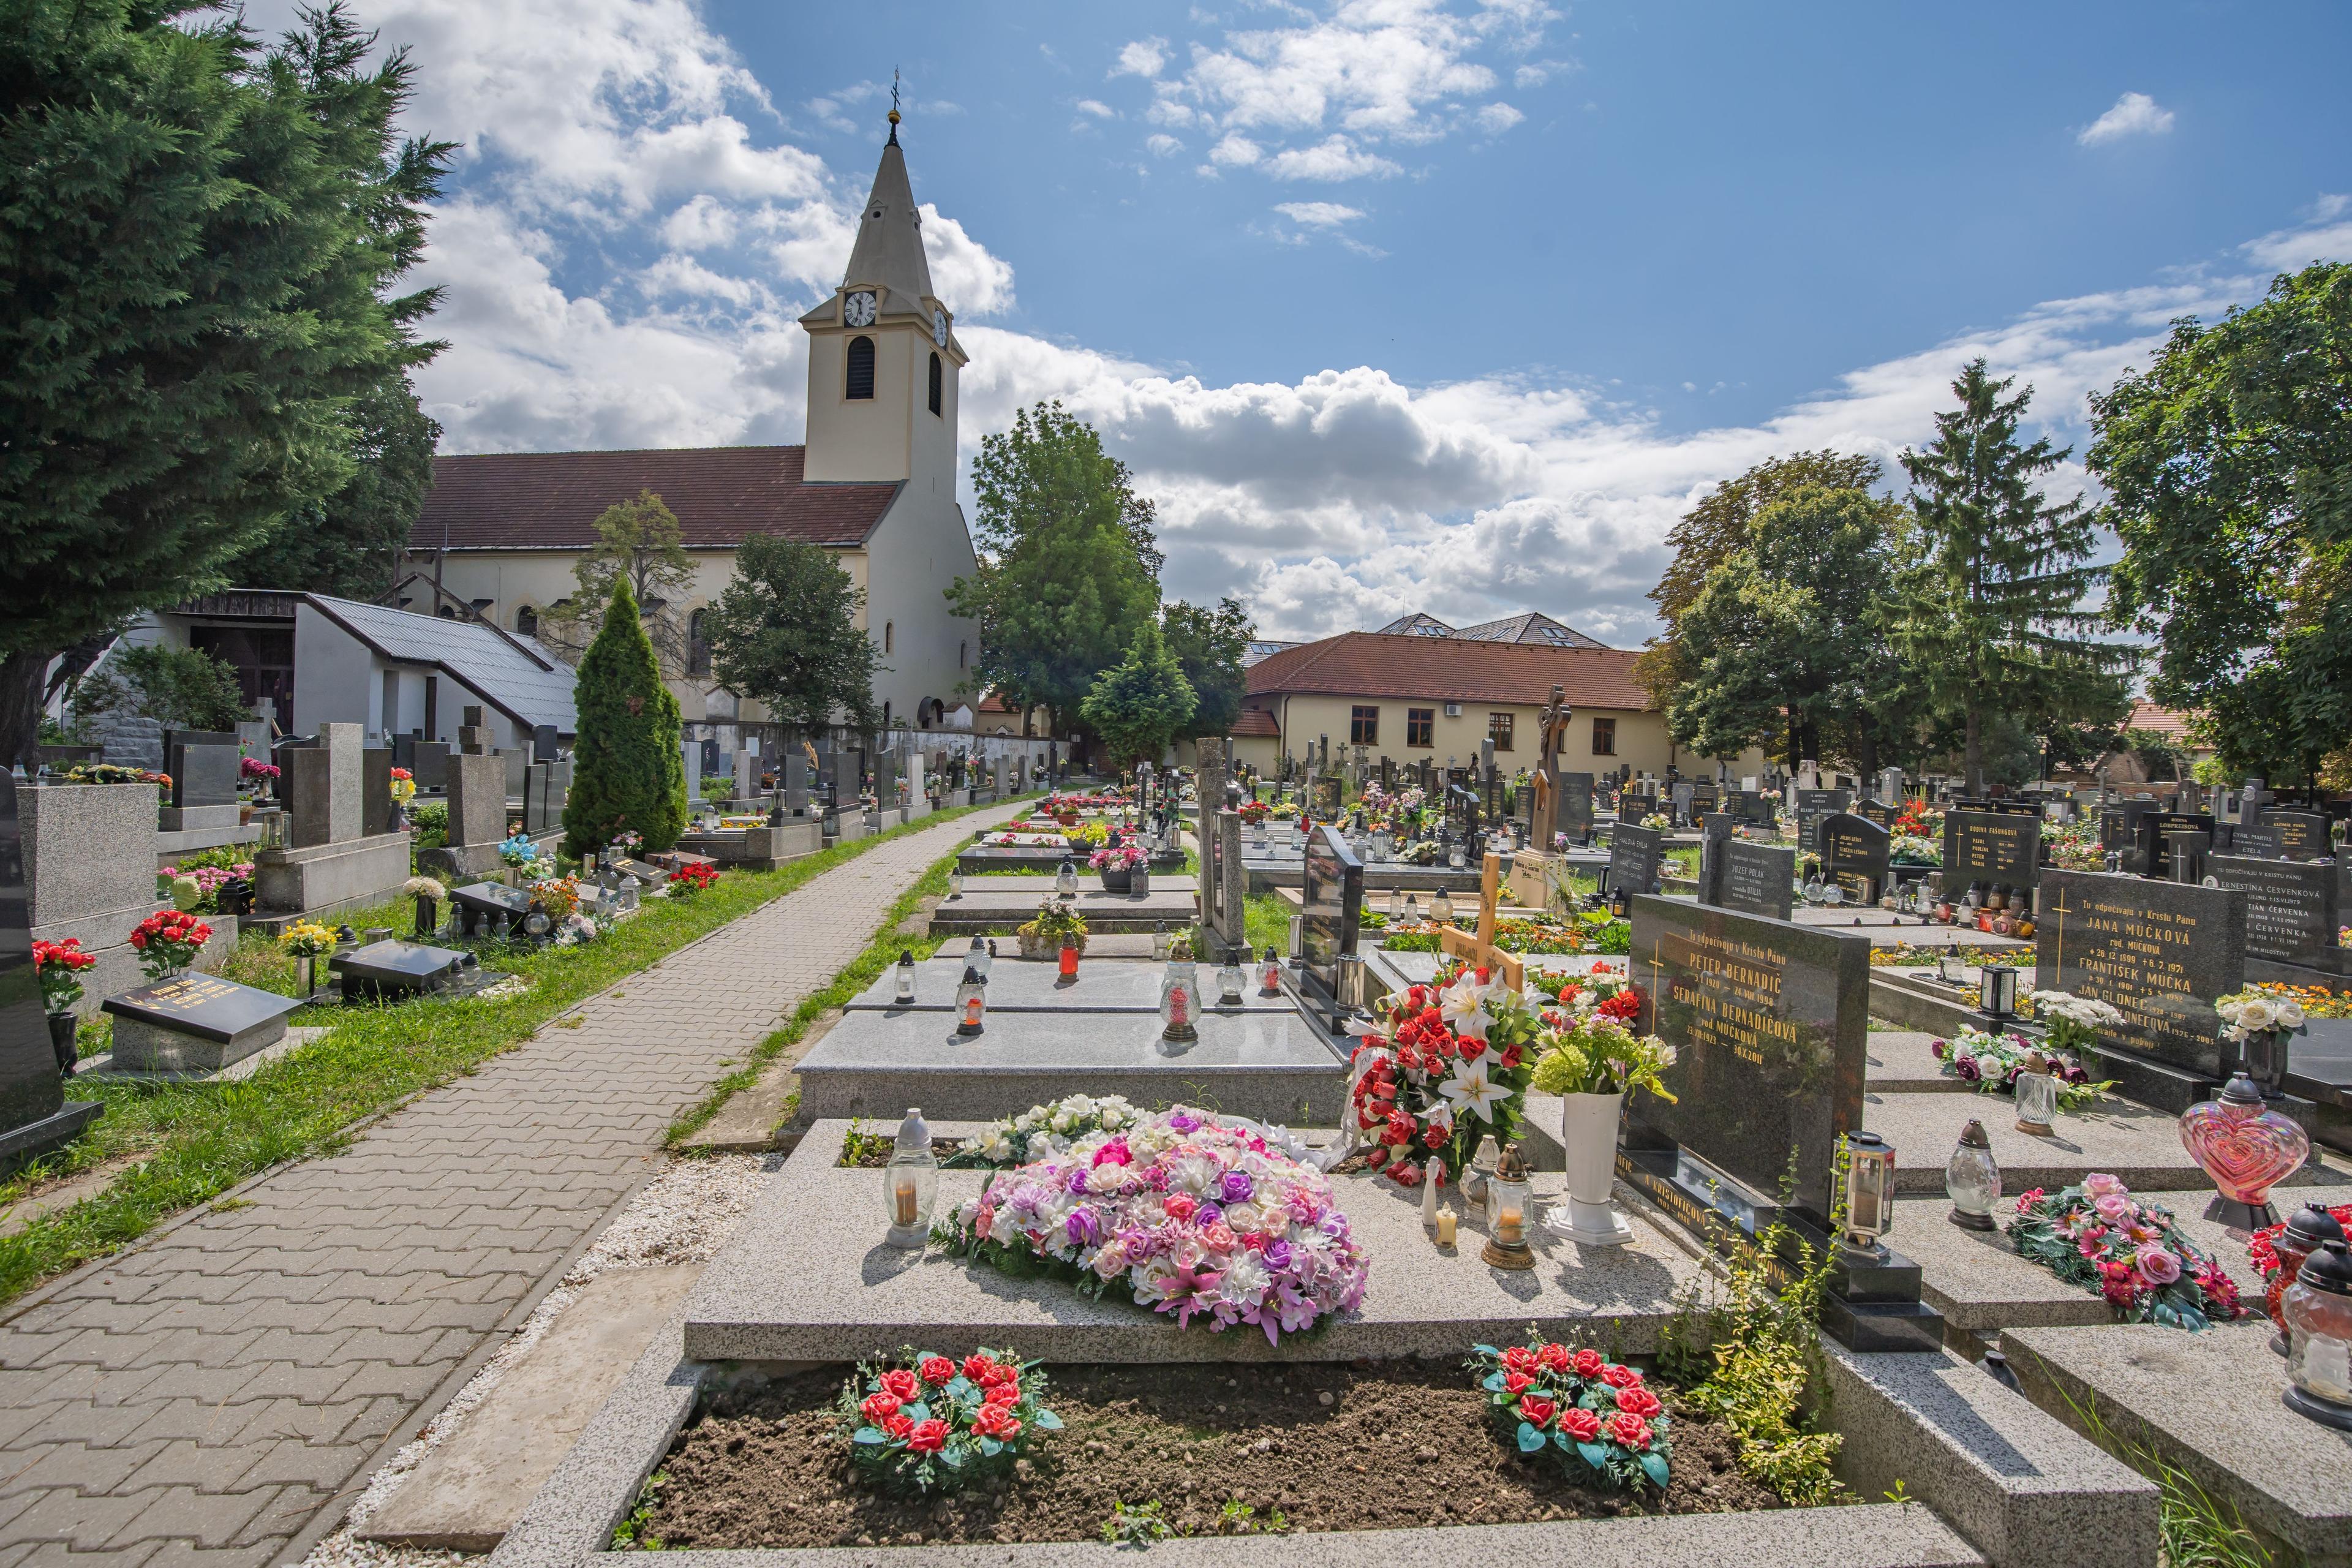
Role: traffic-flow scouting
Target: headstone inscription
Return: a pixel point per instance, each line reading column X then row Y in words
column 1879, row 812
column 1756, row 880
column 1812, row 806
column 34, row 1115
column 1768, row 1020
column 2302, row 834
column 2002, row 850
column 2256, row 842
column 1330, row 913
column 195, row 1023
column 2163, row 835
column 1634, row 806
column 2290, row 906
column 2160, row 953
column 1853, row 852
column 1635, row 855
column 1575, row 807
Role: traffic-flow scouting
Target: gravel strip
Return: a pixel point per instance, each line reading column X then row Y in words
column 683, row 1215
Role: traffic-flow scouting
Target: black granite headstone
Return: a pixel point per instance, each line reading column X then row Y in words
column 34, row 1115
column 2161, row 953
column 1757, row 811
column 1330, row 912
column 2302, row 834
column 2160, row 831
column 2119, row 824
column 205, row 1006
column 1635, row 857
column 479, row 903
column 1716, row 830
column 2000, row 849
column 544, row 745
column 1768, row 1020
column 430, row 763
column 2254, row 841
column 1575, row 807
column 395, row 971
column 375, row 790
column 1812, row 804
column 1634, row 807
column 1879, row 812
column 2290, row 905
column 1758, row 880
column 204, row 775
column 1853, row 851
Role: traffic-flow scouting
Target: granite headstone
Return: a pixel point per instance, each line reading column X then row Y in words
column 2290, row 908
column 1758, row 880
column 34, row 1115
column 1853, row 851
column 2002, row 849
column 1812, row 806
column 2302, row 834
column 1635, row 858
column 2161, row 953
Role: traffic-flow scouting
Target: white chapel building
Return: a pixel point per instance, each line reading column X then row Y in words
column 875, row 485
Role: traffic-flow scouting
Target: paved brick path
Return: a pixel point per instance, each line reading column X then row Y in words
column 203, row 1398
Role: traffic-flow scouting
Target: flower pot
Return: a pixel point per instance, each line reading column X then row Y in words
column 245, row 812
column 1587, row 1133
column 1116, row 881
column 63, row 1027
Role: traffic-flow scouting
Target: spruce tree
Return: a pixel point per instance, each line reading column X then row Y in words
column 1143, row 702
column 1995, row 615
column 628, row 773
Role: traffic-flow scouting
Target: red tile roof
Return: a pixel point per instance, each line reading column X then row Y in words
column 1255, row 722
column 1452, row 669
column 722, row 495
column 2147, row 715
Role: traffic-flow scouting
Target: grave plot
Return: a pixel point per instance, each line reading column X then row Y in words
column 1018, row 985
column 1000, row 904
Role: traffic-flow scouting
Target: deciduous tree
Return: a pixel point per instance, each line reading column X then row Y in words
column 638, row 542
column 1209, row 647
column 784, row 633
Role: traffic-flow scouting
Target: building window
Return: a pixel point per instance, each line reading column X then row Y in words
column 963, row 654
column 1420, row 726
column 889, row 635
column 1498, row 730
column 526, row 621
column 938, row 382
column 1363, row 726
column 1604, row 737
column 860, row 380
column 698, row 645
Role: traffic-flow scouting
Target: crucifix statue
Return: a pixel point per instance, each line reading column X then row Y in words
column 1554, row 720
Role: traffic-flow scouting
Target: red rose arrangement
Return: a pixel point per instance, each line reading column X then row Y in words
column 1449, row 1068
column 1595, row 1418
column 938, row 1424
column 2260, row 1247
column 169, row 941
column 692, row 877
column 57, row 963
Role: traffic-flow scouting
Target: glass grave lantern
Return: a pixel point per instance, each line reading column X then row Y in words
column 1228, row 980
column 955, row 881
column 1509, row 1196
column 971, row 1002
column 1441, row 908
column 910, row 1184
column 979, row 956
column 1869, row 1181
column 903, row 994
column 1269, row 973
column 2318, row 1311
column 1065, row 878
column 2246, row 1149
column 1971, row 1179
column 2036, row 1088
column 2311, row 1228
column 1179, row 1002
column 1159, row 939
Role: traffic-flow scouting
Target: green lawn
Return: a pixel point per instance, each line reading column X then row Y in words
column 179, row 1145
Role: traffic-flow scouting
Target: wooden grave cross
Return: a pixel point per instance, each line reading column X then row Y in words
column 1479, row 949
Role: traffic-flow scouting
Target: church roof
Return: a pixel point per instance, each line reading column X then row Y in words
column 722, row 496
column 1452, row 669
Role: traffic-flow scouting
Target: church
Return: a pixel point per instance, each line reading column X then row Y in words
column 875, row 485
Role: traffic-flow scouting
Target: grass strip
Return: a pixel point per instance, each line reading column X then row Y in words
column 190, row 1142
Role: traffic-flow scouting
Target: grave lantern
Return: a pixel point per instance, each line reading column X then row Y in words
column 1228, row 980
column 972, row 1002
column 1412, row 910
column 1269, row 973
column 1971, row 1179
column 1997, row 990
column 2245, row 1149
column 978, row 957
column 1159, row 939
column 1065, row 878
column 910, row 1184
column 2312, row 1227
column 1507, row 1197
column 955, row 881
column 2036, row 1088
column 1951, row 968
column 2319, row 1310
column 905, row 995
column 1179, row 1002
column 1869, row 1177
column 1441, row 908
column 1066, row 962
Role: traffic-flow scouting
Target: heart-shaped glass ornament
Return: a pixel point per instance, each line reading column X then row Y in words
column 2246, row 1149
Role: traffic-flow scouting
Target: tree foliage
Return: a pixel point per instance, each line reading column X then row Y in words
column 200, row 241
column 351, row 545
column 2228, row 465
column 1070, row 571
column 627, row 771
column 641, row 543
column 1787, row 637
column 784, row 633
column 1995, row 616
column 179, row 688
column 1141, row 703
column 1712, row 531
column 1209, row 647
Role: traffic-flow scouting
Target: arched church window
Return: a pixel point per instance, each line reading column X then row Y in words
column 938, row 378
column 889, row 635
column 527, row 620
column 697, row 645
column 860, row 380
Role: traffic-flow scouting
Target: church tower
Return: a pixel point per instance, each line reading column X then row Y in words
column 883, row 358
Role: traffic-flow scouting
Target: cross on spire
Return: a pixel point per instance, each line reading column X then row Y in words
column 894, row 106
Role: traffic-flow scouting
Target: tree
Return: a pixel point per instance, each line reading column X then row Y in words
column 1071, row 572
column 1786, row 637
column 351, row 545
column 2228, row 465
column 785, row 633
column 180, row 687
column 1141, row 703
column 627, row 772
column 200, row 242
column 1993, row 611
column 1209, row 647
column 1707, row 535
column 638, row 542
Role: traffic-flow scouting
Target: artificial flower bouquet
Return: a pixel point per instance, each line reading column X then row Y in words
column 114, row 774
column 1587, row 1046
column 254, row 771
column 1594, row 1418
column 209, row 881
column 1088, row 835
column 694, row 877
column 404, row 786
column 1659, row 821
column 1990, row 1063
column 1043, row 1131
column 1025, row 840
column 557, row 896
column 168, row 941
column 306, row 939
column 58, row 964
column 624, row 843
column 2248, row 1014
column 517, row 850
column 1253, row 812
column 425, row 888
column 577, row 926
column 2099, row 1237
column 2073, row 1022
column 1913, row 849
column 1056, row 924
column 1450, row 1066
column 1186, row 1213
column 931, row 1424
column 2261, row 1248
column 1117, row 857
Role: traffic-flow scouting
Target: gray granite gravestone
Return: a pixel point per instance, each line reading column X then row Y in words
column 1716, row 830
column 1758, row 878
column 195, row 1023
column 430, row 763
column 323, row 799
column 2160, row 953
column 1635, row 857
column 478, row 799
column 1812, row 804
column 1232, row 886
column 690, row 758
column 2302, row 834
column 2002, row 850
column 746, row 777
column 375, row 790
column 2290, row 908
column 34, row 1115
column 1853, row 851
column 203, row 764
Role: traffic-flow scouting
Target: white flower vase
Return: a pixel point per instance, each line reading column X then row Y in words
column 1587, row 1133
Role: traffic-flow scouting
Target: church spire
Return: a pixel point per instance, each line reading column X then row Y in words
column 894, row 106
column 889, row 248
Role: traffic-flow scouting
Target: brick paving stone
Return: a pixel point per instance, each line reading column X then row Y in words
column 199, row 1400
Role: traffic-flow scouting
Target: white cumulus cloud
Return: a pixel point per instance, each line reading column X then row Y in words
column 1334, row 158
column 1144, row 57
column 2134, row 114
column 1318, row 215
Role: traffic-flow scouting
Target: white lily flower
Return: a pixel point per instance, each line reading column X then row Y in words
column 1463, row 1005
column 1470, row 1092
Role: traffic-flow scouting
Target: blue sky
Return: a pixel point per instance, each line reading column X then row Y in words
column 1392, row 305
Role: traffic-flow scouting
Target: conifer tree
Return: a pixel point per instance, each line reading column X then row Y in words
column 627, row 773
column 1995, row 613
column 1141, row 703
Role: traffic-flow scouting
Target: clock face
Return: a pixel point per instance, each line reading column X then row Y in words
column 939, row 328
column 858, row 309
